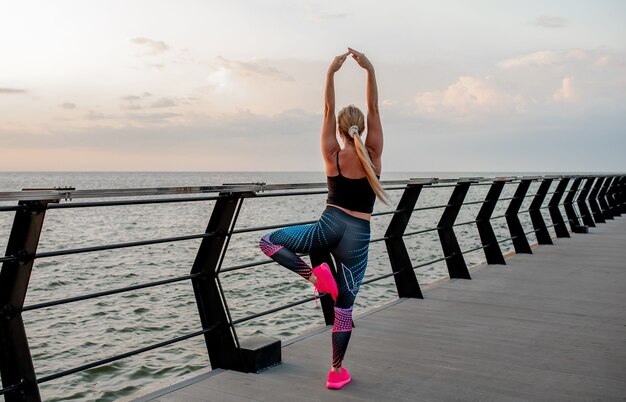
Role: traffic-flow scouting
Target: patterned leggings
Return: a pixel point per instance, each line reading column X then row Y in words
column 347, row 238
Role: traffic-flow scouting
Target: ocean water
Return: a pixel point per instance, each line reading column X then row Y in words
column 73, row 334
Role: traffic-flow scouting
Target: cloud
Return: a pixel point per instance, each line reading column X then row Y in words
column 130, row 101
column 566, row 92
column 164, row 102
column 152, row 118
column 12, row 91
column 131, row 106
column 136, row 102
column 467, row 97
column 68, row 105
column 131, row 98
column 151, row 47
column 544, row 58
column 250, row 69
column 546, row 21
column 93, row 115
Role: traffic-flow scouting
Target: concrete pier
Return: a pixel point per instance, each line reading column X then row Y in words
column 550, row 326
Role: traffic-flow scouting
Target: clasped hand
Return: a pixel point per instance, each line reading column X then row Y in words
column 357, row 56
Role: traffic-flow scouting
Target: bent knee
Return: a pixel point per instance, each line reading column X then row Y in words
column 267, row 246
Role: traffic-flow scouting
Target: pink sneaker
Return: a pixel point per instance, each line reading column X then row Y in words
column 337, row 380
column 325, row 280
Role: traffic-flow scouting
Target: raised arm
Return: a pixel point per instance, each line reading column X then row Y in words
column 374, row 140
column 329, row 128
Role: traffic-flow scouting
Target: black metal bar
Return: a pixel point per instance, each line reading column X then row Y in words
column 291, row 193
column 581, row 201
column 555, row 212
column 424, row 264
column 269, row 227
column 12, row 388
column 273, row 310
column 282, row 225
column 378, row 278
column 520, row 242
column 221, row 342
column 121, row 245
column 11, row 208
column 121, row 356
column 473, row 202
column 10, row 258
column 543, row 236
column 464, row 223
column 130, row 202
column 433, row 207
column 593, row 201
column 385, row 276
column 471, row 250
column 420, row 232
column 16, row 364
column 385, row 212
column 107, row 292
column 604, row 206
column 456, row 264
column 568, row 204
column 493, row 254
column 406, row 282
column 244, row 266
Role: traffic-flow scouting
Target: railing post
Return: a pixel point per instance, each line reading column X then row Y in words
column 621, row 195
column 493, row 254
column 451, row 250
column 612, row 197
column 585, row 213
column 319, row 256
column 541, row 231
column 221, row 341
column 520, row 242
column 593, row 201
column 569, row 208
column 555, row 213
column 604, row 206
column 16, row 364
column 406, row 281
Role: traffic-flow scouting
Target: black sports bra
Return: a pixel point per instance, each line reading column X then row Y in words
column 353, row 194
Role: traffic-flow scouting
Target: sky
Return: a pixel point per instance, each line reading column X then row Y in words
column 238, row 85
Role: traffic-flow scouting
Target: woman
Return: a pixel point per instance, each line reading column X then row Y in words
column 344, row 227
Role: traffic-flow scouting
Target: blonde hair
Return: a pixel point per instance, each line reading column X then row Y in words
column 351, row 124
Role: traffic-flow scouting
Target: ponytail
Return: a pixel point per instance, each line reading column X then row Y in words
column 368, row 166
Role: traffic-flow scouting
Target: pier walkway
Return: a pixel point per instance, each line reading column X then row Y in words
column 545, row 327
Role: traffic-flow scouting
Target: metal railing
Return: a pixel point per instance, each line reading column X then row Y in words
column 600, row 198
